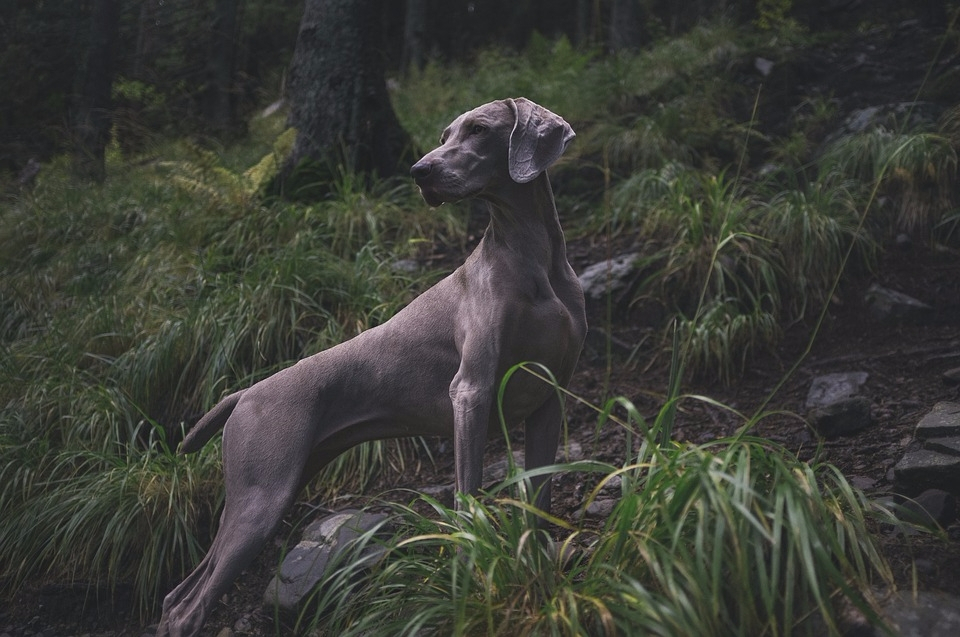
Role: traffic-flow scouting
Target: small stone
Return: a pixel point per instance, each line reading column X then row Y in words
column 763, row 66
column 829, row 388
column 600, row 508
column 941, row 422
column 614, row 484
column 952, row 376
column 862, row 482
column 442, row 493
column 609, row 276
column 892, row 306
column 933, row 505
column 243, row 625
column 842, row 417
column 925, row 469
column 225, row 632
column 949, row 446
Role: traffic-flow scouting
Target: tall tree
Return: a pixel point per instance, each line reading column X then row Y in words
column 338, row 94
column 92, row 113
column 625, row 28
column 414, row 35
column 219, row 94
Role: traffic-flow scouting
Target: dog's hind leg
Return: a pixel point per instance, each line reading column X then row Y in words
column 258, row 493
column 540, row 440
column 249, row 520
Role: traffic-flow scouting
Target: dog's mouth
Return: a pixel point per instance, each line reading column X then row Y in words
column 432, row 197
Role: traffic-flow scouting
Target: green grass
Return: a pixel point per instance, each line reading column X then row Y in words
column 131, row 308
column 736, row 537
column 128, row 309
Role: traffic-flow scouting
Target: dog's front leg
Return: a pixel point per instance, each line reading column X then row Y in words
column 471, row 418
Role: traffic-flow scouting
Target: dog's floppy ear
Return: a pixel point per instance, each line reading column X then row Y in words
column 538, row 139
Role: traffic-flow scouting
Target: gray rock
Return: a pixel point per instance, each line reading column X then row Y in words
column 952, row 376
column 305, row 565
column 889, row 116
column 243, row 625
column 763, row 66
column 931, row 506
column 841, row 417
column 949, row 446
column 830, row 388
column 442, row 493
column 600, row 508
column 496, row 473
column 924, row 469
column 864, row 483
column 942, row 421
column 931, row 614
column 609, row 276
column 888, row 305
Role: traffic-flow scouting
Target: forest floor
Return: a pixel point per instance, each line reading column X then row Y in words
column 905, row 363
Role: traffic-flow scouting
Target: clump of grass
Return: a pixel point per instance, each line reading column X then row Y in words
column 707, row 260
column 916, row 170
column 133, row 308
column 734, row 537
column 812, row 226
column 105, row 517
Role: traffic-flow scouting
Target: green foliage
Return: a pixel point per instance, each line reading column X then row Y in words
column 544, row 74
column 122, row 514
column 127, row 310
column 917, row 170
column 130, row 309
column 736, row 537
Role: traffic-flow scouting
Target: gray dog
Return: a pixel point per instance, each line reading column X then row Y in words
column 434, row 369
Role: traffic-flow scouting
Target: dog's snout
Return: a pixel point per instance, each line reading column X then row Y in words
column 421, row 169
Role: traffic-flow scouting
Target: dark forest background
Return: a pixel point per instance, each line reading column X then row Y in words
column 79, row 73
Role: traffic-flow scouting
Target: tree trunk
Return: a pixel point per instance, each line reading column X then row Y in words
column 626, row 32
column 219, row 98
column 585, row 21
column 338, row 95
column 414, row 35
column 92, row 113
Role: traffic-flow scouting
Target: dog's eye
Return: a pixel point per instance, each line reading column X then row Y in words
column 477, row 129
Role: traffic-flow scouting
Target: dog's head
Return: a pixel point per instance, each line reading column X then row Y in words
column 512, row 139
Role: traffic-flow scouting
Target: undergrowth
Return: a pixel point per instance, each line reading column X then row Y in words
column 128, row 309
column 734, row 537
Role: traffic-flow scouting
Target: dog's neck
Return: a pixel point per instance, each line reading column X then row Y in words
column 527, row 222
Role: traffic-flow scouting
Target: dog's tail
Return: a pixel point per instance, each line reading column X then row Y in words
column 211, row 423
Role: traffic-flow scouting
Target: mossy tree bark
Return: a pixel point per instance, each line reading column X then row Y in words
column 92, row 113
column 338, row 96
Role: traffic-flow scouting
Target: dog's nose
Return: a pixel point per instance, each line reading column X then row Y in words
column 421, row 169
